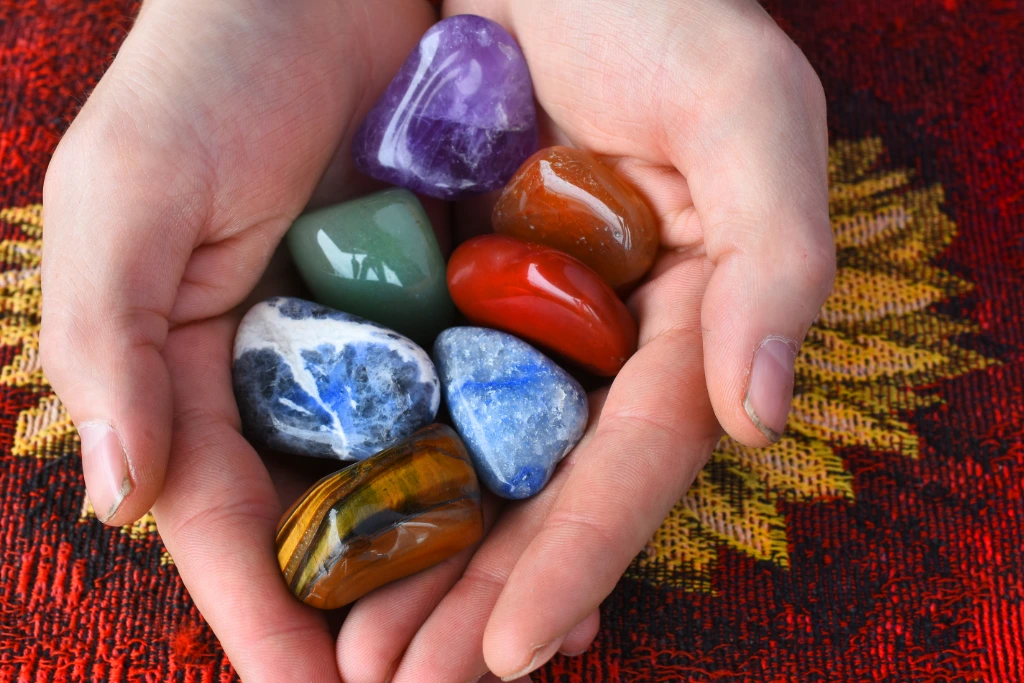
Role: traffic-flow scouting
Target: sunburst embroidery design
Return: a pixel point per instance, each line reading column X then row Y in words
column 875, row 344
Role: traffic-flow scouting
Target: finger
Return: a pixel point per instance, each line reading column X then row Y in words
column 380, row 626
column 578, row 640
column 125, row 198
column 757, row 173
column 110, row 273
column 432, row 653
column 745, row 127
column 217, row 516
column 134, row 187
column 626, row 479
column 465, row 609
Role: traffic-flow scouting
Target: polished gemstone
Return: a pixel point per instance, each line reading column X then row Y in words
column 403, row 510
column 459, row 117
column 544, row 296
column 311, row 380
column 567, row 199
column 376, row 257
column 517, row 411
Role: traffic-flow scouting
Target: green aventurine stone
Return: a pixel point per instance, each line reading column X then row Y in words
column 376, row 257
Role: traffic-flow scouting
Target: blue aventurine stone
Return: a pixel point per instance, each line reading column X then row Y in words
column 315, row 381
column 517, row 411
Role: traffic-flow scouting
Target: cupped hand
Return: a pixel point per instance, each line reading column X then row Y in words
column 717, row 118
column 163, row 205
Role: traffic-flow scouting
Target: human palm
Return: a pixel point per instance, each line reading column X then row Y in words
column 746, row 256
column 214, row 127
column 703, row 105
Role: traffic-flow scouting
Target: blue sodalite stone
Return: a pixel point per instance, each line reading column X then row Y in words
column 517, row 411
column 315, row 381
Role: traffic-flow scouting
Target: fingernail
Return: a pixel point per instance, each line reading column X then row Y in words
column 105, row 465
column 770, row 390
column 540, row 654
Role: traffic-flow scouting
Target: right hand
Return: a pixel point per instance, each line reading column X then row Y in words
column 163, row 205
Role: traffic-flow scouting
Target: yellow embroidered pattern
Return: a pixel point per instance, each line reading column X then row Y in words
column 875, row 342
column 44, row 431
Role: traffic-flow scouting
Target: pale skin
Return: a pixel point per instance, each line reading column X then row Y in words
column 218, row 122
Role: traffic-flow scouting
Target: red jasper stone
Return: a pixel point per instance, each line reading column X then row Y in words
column 567, row 199
column 544, row 296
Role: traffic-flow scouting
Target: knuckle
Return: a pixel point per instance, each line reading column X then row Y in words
column 807, row 269
column 62, row 336
column 72, row 345
column 58, row 169
column 767, row 61
column 625, row 421
column 793, row 73
column 129, row 138
column 224, row 517
column 487, row 580
column 814, row 91
column 771, row 49
column 819, row 270
column 203, row 425
column 579, row 529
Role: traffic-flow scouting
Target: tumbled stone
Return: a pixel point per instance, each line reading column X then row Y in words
column 518, row 412
column 403, row 510
column 315, row 381
column 544, row 296
column 376, row 257
column 567, row 199
column 459, row 117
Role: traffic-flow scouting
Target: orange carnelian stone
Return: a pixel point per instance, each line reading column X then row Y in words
column 567, row 199
column 544, row 296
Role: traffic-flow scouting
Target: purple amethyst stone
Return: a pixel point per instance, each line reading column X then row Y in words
column 459, row 117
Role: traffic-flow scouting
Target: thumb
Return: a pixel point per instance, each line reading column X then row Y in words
column 116, row 243
column 760, row 189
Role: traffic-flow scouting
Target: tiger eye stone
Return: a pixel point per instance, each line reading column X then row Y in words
column 567, row 199
column 403, row 510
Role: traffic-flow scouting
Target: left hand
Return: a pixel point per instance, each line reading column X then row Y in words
column 717, row 118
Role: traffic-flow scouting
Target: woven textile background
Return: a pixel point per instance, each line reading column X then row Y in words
column 881, row 540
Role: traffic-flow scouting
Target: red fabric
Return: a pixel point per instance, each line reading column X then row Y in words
column 918, row 577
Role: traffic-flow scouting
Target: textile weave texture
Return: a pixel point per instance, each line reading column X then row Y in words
column 880, row 540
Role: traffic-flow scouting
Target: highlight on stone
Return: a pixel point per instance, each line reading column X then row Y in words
column 343, row 376
column 567, row 199
column 376, row 257
column 544, row 296
column 311, row 380
column 518, row 412
column 403, row 510
column 459, row 117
